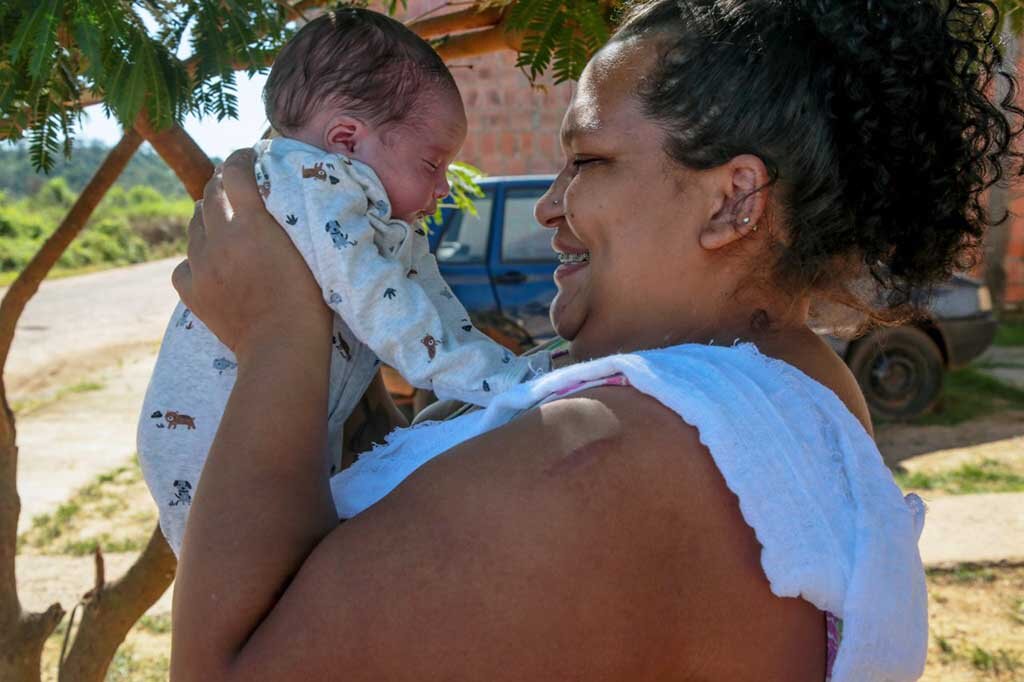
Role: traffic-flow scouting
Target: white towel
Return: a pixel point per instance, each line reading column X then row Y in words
column 833, row 526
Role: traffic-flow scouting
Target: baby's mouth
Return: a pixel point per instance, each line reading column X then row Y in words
column 574, row 258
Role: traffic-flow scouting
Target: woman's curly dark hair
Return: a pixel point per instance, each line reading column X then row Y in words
column 875, row 118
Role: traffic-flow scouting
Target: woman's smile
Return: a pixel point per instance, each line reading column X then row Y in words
column 570, row 263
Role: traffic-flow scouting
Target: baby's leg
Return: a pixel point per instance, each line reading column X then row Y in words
column 181, row 411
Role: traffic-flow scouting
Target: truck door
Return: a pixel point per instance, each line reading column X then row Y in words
column 462, row 258
column 523, row 262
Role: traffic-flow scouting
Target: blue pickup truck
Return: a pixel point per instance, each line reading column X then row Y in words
column 500, row 264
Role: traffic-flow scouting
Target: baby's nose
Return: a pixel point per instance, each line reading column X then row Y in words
column 442, row 188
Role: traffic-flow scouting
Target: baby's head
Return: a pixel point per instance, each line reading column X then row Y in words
column 361, row 84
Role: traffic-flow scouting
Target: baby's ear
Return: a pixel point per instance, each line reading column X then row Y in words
column 343, row 134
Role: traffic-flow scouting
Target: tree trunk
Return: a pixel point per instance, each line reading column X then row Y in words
column 175, row 146
column 22, row 635
column 110, row 610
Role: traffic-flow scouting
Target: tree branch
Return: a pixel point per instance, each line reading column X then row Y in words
column 175, row 146
column 111, row 609
column 22, row 634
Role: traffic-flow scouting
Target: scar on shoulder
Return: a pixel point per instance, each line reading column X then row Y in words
column 583, row 455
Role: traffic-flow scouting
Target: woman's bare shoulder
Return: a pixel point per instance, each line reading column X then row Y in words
column 590, row 538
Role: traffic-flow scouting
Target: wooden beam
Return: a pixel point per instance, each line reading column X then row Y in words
column 476, row 43
column 456, row 22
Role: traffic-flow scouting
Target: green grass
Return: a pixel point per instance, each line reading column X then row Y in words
column 987, row 476
column 127, row 666
column 104, row 542
column 1010, row 334
column 29, row 405
column 7, row 278
column 158, row 625
column 965, row 574
column 156, row 253
column 60, row 532
column 968, row 394
column 995, row 662
column 999, row 662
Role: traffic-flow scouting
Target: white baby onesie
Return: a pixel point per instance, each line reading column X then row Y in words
column 379, row 277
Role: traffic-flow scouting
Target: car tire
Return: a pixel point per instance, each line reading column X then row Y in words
column 900, row 371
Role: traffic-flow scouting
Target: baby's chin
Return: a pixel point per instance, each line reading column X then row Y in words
column 411, row 218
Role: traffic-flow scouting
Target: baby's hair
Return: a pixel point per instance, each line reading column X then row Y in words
column 364, row 62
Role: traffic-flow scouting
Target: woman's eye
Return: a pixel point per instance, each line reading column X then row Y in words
column 578, row 163
column 433, row 166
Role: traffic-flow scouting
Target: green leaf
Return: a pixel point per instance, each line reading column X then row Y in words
column 43, row 141
column 36, row 36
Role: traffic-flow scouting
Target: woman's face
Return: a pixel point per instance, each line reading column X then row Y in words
column 626, row 217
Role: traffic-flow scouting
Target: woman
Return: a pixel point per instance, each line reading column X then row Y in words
column 708, row 511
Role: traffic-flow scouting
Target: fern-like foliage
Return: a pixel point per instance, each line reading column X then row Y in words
column 125, row 53
column 54, row 51
column 559, row 34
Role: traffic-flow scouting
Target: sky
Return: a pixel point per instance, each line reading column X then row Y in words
column 215, row 138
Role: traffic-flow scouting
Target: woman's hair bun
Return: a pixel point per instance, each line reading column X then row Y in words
column 884, row 122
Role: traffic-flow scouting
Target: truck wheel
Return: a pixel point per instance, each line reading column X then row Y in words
column 900, row 371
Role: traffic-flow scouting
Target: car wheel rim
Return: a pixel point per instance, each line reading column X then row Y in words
column 893, row 379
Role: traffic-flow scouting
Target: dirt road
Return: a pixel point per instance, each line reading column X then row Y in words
column 76, row 326
column 103, row 328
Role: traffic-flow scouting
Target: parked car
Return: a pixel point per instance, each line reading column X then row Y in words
column 500, row 264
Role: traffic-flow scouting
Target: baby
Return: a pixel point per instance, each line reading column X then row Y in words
column 371, row 118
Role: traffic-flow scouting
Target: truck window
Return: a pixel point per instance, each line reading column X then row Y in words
column 465, row 239
column 524, row 239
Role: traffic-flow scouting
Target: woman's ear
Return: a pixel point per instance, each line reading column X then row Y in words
column 741, row 202
column 344, row 134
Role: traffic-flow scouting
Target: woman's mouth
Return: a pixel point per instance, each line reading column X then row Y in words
column 570, row 263
column 574, row 258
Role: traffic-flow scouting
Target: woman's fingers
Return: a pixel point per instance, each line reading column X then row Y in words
column 181, row 280
column 215, row 207
column 196, row 232
column 239, row 180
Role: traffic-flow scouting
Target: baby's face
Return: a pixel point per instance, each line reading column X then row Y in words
column 412, row 160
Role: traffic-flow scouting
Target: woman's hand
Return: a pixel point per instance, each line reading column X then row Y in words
column 244, row 278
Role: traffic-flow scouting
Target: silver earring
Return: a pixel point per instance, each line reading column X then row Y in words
column 746, row 220
column 555, row 202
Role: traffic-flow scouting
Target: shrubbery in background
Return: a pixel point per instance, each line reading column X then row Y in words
column 129, row 226
column 18, row 178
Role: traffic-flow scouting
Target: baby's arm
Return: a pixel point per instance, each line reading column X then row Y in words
column 338, row 222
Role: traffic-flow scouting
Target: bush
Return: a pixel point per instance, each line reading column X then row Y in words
column 124, row 229
column 110, row 242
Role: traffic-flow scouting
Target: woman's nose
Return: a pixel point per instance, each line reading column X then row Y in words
column 550, row 208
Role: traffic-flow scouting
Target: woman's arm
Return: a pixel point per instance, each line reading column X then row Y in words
column 263, row 502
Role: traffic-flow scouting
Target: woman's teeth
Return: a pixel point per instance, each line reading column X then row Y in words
column 572, row 258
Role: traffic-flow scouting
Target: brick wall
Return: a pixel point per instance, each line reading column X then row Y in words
column 513, row 127
column 1013, row 264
